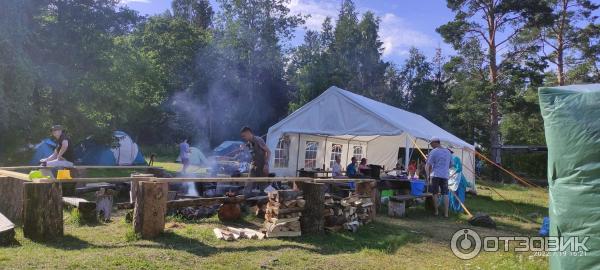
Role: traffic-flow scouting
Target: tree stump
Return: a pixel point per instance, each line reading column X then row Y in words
column 150, row 209
column 312, row 220
column 136, row 178
column 11, row 200
column 42, row 211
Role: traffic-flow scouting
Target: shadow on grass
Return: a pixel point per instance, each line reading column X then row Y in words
column 518, row 211
column 67, row 242
column 171, row 240
column 378, row 236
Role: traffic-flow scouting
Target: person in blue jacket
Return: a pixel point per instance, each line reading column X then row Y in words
column 458, row 184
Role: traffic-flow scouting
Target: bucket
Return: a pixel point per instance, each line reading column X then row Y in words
column 417, row 187
column 63, row 174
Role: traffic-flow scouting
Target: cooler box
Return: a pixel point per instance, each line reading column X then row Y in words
column 417, row 187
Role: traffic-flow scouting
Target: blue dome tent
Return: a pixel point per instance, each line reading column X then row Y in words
column 123, row 152
column 42, row 150
column 227, row 147
column 89, row 152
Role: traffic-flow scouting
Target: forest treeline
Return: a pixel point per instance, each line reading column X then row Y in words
column 203, row 71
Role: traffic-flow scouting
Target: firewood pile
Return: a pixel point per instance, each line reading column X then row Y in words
column 347, row 213
column 232, row 233
column 282, row 214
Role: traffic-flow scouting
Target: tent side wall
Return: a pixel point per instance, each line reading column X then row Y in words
column 384, row 150
column 297, row 152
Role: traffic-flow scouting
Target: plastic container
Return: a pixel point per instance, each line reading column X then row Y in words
column 36, row 175
column 417, row 187
column 387, row 193
column 63, row 174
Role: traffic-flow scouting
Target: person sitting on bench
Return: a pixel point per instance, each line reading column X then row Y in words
column 336, row 169
column 62, row 153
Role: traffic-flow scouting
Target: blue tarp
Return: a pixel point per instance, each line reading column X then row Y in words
column 42, row 150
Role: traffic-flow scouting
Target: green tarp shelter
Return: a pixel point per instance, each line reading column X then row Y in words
column 572, row 126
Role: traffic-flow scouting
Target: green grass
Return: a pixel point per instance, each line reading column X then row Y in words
column 419, row 241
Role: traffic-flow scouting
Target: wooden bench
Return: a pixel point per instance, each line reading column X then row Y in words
column 397, row 204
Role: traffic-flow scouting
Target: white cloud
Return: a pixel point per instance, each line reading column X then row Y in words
column 317, row 9
column 397, row 36
column 395, row 33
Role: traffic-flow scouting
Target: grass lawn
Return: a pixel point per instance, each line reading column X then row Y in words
column 419, row 241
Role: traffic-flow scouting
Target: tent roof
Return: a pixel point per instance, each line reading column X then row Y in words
column 340, row 113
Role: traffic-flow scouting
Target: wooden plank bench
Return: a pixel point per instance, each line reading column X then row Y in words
column 397, row 204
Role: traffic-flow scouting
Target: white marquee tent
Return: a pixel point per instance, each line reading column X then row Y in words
column 347, row 124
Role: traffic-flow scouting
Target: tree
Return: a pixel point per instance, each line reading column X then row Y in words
column 197, row 12
column 371, row 68
column 565, row 32
column 496, row 24
column 245, row 67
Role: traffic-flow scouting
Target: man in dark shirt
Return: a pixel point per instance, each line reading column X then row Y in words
column 260, row 157
column 62, row 153
column 352, row 170
column 260, row 153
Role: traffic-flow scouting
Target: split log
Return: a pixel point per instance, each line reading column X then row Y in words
column 369, row 189
column 150, row 209
column 7, row 231
column 85, row 207
column 42, row 211
column 253, row 234
column 283, row 220
column 104, row 203
column 11, row 200
column 312, row 216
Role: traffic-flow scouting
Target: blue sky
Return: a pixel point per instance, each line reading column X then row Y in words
column 404, row 23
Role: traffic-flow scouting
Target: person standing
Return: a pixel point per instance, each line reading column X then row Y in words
column 260, row 153
column 259, row 166
column 62, row 153
column 437, row 167
column 184, row 155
